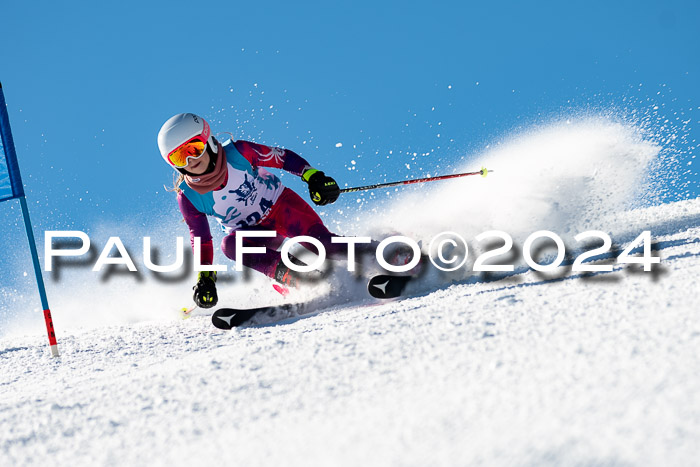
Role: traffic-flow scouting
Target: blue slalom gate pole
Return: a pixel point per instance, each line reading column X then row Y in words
column 18, row 192
column 39, row 278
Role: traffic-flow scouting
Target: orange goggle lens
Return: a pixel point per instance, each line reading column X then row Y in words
column 192, row 149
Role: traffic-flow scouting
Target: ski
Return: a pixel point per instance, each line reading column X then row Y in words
column 385, row 286
column 381, row 286
column 229, row 318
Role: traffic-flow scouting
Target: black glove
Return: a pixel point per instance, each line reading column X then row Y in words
column 205, row 290
column 322, row 189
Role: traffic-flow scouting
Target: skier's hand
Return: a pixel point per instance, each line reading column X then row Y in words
column 322, row 189
column 205, row 290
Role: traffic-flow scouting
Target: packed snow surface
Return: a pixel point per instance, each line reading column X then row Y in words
column 524, row 368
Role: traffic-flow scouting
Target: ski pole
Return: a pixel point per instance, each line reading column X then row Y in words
column 483, row 172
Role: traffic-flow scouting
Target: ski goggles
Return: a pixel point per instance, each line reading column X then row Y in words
column 191, row 149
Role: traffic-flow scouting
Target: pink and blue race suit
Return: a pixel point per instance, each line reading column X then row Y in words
column 252, row 198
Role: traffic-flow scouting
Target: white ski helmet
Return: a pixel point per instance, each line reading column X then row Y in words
column 181, row 129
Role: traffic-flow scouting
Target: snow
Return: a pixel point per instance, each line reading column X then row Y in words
column 524, row 368
column 564, row 177
column 520, row 371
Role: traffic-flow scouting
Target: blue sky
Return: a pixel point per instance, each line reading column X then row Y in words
column 89, row 84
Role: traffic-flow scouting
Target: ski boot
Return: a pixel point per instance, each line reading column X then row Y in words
column 403, row 255
column 290, row 278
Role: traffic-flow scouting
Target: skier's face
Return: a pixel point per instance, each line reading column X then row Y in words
column 199, row 166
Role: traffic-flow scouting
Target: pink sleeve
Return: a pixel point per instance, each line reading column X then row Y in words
column 265, row 156
column 199, row 227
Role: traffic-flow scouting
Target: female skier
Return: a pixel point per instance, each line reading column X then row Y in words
column 228, row 181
